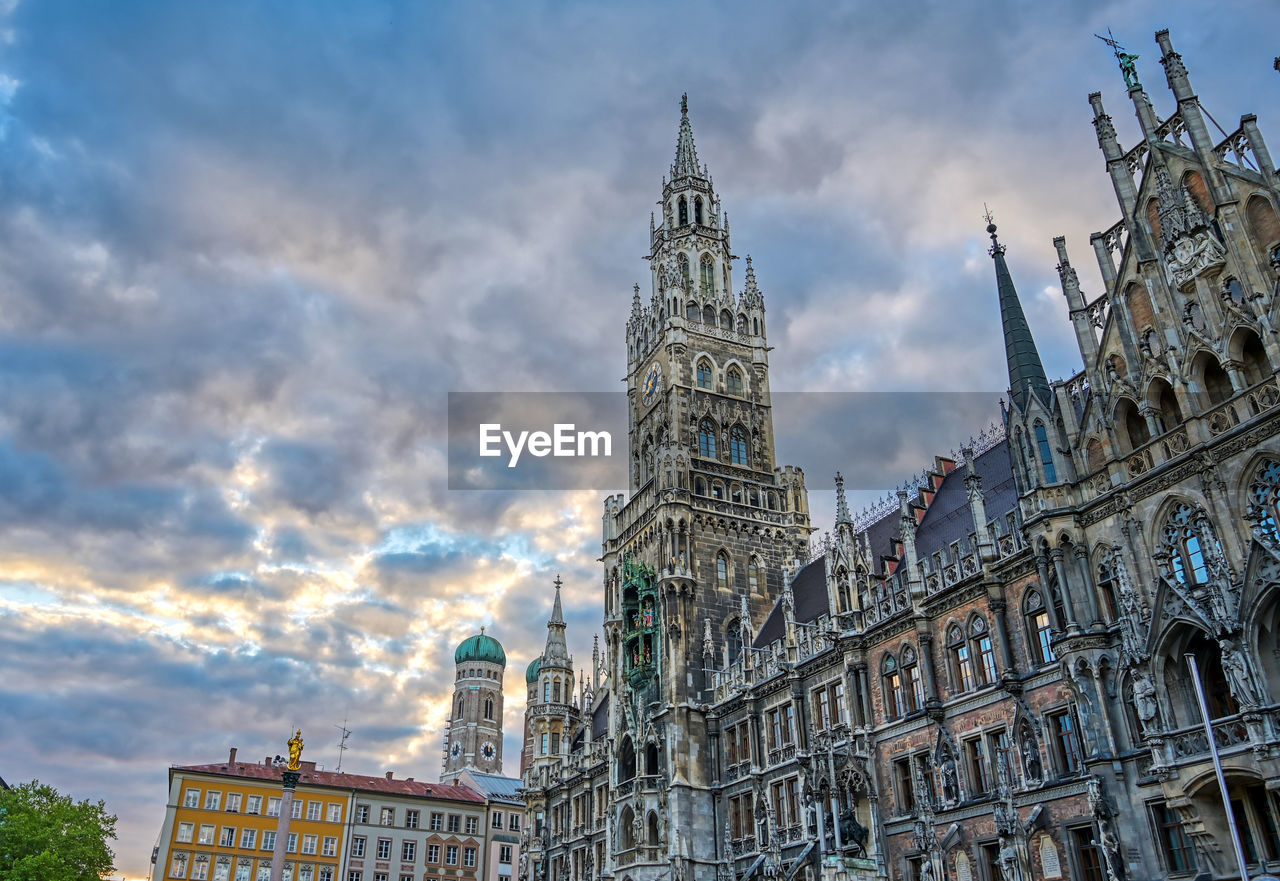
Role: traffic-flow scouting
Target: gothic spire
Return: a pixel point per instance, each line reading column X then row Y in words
column 842, row 504
column 557, row 651
column 686, row 164
column 751, row 295
column 1026, row 373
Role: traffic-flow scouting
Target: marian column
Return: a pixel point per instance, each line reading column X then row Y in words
column 291, row 774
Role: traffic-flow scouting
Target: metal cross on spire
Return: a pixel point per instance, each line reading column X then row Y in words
column 1126, row 60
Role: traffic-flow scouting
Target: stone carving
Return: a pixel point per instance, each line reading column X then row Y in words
column 1236, row 669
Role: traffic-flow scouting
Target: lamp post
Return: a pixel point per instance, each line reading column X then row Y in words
column 293, row 770
column 1217, row 766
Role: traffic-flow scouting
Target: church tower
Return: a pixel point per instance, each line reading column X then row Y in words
column 474, row 737
column 694, row 558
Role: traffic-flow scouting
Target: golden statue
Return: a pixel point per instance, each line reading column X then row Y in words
column 295, row 751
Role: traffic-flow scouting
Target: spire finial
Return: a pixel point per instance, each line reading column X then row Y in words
column 1126, row 60
column 558, row 582
column 996, row 247
column 842, row 504
column 686, row 164
column 684, row 104
column 1026, row 372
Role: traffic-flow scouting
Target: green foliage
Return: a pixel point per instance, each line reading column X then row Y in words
column 45, row 836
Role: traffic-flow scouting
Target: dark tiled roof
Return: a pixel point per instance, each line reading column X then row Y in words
column 600, row 718
column 340, row 780
column 495, row 786
column 948, row 518
column 810, row 592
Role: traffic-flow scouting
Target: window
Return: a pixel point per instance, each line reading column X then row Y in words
column 179, row 867
column 1175, row 845
column 273, row 807
column 437, row 820
column 309, row 843
column 738, row 446
column 1182, row 542
column 753, row 575
column 291, row 843
column 254, row 805
column 313, row 810
column 455, row 822
column 706, row 439
column 912, row 684
column 495, row 820
column 504, row 853
column 704, row 374
column 387, row 817
column 781, row 726
column 433, row 853
column 544, row 741
column 353, row 875
column 513, row 822
column 212, row 801
column 473, row 825
column 821, row 709
column 1039, row 630
column 1064, row 742
column 408, row 851
column 903, row 785
column 961, row 664
column 268, row 839
column 1046, row 454
column 451, row 855
column 191, row 799
column 706, row 267
column 891, row 681
column 722, row 570
column 233, row 802
column 1263, row 495
column 248, row 839
column 335, row 812
column 200, row 870
column 469, row 857
column 682, row 211
column 206, row 834
column 488, row 708
column 384, row 849
column 185, row 831
column 296, row 813
column 979, row 774
column 357, row 846
column 411, row 819
column 986, row 667
column 733, row 380
column 1088, row 860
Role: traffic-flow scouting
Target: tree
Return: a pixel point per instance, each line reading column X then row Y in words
column 45, row 836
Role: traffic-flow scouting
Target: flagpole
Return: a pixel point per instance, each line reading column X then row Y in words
column 1217, row 766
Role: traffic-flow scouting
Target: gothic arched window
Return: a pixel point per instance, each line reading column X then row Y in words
column 708, row 269
column 1107, row 592
column 1039, row 628
column 1264, row 493
column 961, row 662
column 1046, row 454
column 738, row 446
column 912, row 685
column 1184, row 544
column 733, row 381
column 697, row 210
column 682, row 261
column 733, row 640
column 722, row 570
column 692, row 312
column 704, row 374
column 985, row 668
column 682, row 209
column 488, row 708
column 891, row 681
column 753, row 575
column 461, row 706
column 706, row 439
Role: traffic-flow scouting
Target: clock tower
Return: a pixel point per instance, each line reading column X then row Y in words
column 474, row 736
column 694, row 557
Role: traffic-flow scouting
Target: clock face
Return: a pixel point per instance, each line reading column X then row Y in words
column 488, row 751
column 455, row 750
column 652, row 384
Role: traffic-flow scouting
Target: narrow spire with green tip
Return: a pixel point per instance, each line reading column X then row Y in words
column 1026, row 372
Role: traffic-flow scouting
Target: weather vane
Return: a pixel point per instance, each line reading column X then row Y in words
column 1126, row 60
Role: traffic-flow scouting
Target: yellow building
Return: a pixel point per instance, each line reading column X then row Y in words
column 222, row 819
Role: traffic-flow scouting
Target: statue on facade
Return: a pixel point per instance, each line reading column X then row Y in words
column 1144, row 700
column 1236, row 669
column 295, row 751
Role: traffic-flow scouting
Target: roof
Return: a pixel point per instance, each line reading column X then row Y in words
column 949, row 519
column 600, row 718
column 481, row 647
column 809, row 589
column 496, row 787
column 531, row 672
column 340, row 780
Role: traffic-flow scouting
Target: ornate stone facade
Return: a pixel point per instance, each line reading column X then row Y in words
column 991, row 679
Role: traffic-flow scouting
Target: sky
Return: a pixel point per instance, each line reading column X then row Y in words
column 247, row 250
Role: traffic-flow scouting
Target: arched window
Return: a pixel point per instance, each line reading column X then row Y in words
column 1039, row 629
column 708, row 270
column 682, row 209
column 1107, row 592
column 1167, row 403
column 700, row 486
column 488, row 708
column 1213, row 379
column 717, row 489
column 682, row 261
column 626, row 760
column 692, row 312
column 961, row 663
column 733, row 640
column 891, row 681
column 653, row 828
column 626, row 825
column 985, row 668
column 706, row 439
column 755, row 326
column 1234, row 290
column 912, row 684
column 651, row 759
column 726, row 320
column 704, row 374
column 1264, row 493
column 697, row 210
column 738, row 446
column 1184, row 544
column 742, row 325
column 722, row 570
column 733, row 381
column 753, row 575
column 1046, row 454
column 1249, row 351
column 461, row 706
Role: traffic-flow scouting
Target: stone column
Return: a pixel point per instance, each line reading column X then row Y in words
column 1000, row 609
column 1068, row 605
column 1090, row 591
column 282, row 826
column 1042, row 568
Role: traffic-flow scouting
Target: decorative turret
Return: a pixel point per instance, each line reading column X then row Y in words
column 474, row 737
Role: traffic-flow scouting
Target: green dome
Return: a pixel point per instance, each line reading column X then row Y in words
column 480, row 647
column 531, row 672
